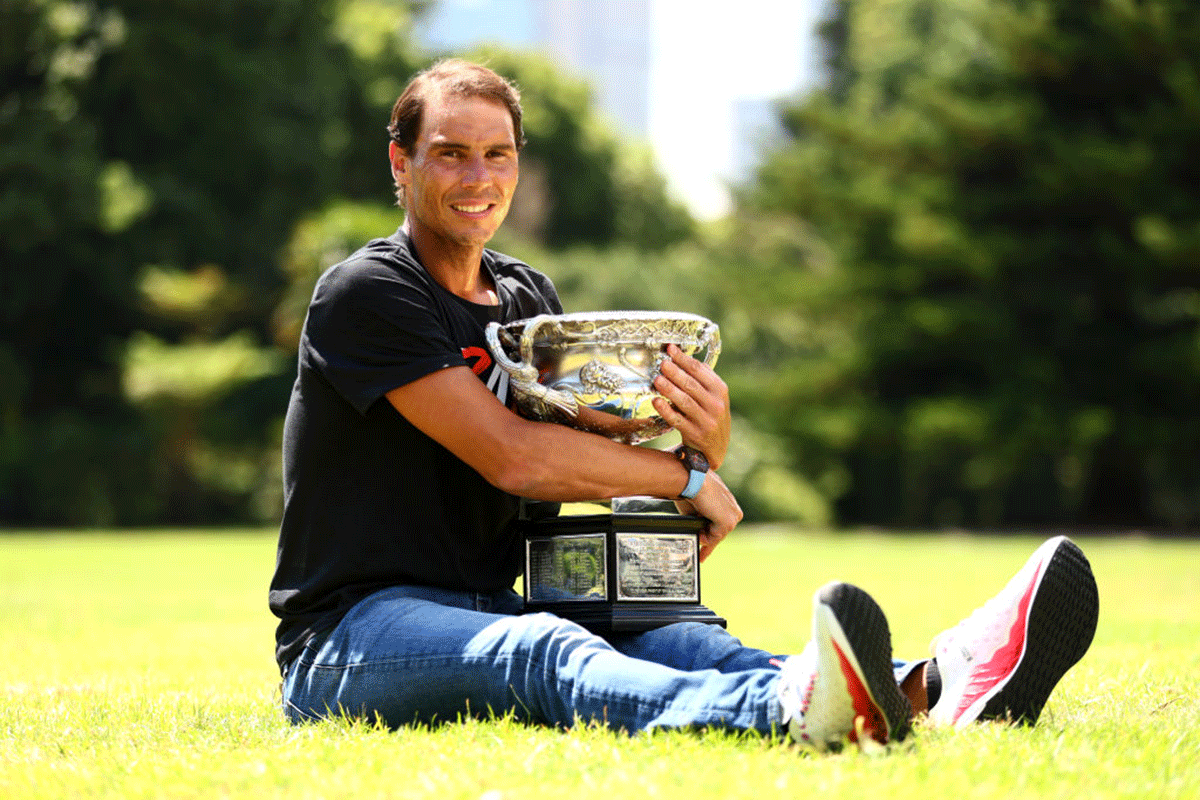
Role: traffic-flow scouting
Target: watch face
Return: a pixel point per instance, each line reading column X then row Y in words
column 693, row 459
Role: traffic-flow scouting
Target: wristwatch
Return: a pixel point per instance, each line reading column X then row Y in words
column 697, row 466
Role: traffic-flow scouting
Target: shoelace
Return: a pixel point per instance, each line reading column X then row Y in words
column 790, row 677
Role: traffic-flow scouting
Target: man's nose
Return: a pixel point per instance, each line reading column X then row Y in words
column 476, row 171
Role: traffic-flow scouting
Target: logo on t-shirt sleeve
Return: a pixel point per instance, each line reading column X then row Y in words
column 491, row 373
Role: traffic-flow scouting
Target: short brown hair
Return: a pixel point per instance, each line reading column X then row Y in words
column 458, row 78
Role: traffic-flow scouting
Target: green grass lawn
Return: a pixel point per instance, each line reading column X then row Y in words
column 140, row 665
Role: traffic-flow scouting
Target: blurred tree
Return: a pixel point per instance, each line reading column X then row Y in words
column 1007, row 330
column 66, row 305
column 173, row 174
column 228, row 114
column 155, row 158
column 378, row 36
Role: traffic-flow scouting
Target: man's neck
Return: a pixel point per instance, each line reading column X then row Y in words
column 457, row 268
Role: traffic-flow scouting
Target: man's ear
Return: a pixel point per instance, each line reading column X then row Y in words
column 399, row 161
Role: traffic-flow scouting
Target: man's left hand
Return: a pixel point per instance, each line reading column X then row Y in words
column 694, row 401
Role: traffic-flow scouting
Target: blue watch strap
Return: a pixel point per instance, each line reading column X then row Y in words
column 695, row 481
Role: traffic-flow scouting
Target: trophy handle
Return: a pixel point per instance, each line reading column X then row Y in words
column 524, row 377
column 710, row 338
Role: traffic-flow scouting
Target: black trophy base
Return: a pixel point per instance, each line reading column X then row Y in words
column 605, row 618
column 606, row 572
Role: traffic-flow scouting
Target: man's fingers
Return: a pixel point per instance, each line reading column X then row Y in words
column 675, row 402
column 697, row 369
column 691, row 396
column 690, row 426
column 694, row 389
column 686, row 380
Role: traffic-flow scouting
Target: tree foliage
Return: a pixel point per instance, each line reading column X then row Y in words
column 144, row 139
column 1008, row 328
column 65, row 306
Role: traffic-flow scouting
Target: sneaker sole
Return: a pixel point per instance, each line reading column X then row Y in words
column 1058, row 631
column 864, row 648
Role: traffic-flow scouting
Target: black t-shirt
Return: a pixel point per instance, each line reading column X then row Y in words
column 369, row 500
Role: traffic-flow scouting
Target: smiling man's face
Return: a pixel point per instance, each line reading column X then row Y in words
column 459, row 180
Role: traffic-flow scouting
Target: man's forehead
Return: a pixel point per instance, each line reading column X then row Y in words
column 450, row 116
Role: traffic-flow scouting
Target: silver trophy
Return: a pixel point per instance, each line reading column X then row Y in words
column 631, row 570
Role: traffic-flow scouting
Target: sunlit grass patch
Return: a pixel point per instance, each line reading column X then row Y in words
column 140, row 665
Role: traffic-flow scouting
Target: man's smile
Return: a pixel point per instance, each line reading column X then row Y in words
column 472, row 208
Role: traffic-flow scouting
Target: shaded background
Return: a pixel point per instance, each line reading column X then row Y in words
column 961, row 287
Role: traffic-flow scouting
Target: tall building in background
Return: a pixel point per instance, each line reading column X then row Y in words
column 755, row 129
column 609, row 44
column 453, row 24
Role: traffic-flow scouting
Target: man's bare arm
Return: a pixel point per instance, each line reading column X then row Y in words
column 545, row 461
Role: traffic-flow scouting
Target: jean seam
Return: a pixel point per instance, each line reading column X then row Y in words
column 427, row 660
column 301, row 712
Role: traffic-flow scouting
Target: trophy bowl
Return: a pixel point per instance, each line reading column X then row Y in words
column 595, row 371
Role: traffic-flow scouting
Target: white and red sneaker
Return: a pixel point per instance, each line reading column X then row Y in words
column 1004, row 660
column 843, row 675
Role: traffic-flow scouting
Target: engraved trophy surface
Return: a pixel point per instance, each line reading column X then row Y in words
column 627, row 571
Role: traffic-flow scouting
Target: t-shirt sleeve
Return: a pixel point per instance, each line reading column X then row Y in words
column 369, row 331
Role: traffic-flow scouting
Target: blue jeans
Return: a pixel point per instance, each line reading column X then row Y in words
column 416, row 654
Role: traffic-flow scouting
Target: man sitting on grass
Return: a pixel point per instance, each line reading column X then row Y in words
column 404, row 474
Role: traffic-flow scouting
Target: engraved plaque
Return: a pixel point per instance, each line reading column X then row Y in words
column 567, row 568
column 657, row 566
